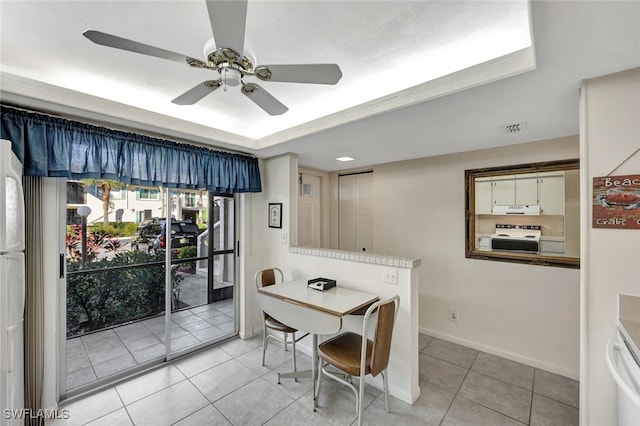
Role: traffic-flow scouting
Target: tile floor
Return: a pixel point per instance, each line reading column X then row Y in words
column 107, row 352
column 226, row 385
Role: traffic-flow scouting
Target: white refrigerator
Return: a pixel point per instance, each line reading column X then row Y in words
column 12, row 288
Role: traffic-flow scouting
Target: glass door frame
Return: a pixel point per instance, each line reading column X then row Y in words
column 66, row 395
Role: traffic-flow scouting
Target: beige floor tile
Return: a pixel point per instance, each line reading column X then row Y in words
column 151, row 382
column 117, row 418
column 441, row 373
column 294, row 389
column 152, row 352
column 337, row 403
column 548, row 412
column 91, row 408
column 103, row 346
column 236, row 347
column 423, row 341
column 223, row 379
column 274, row 358
column 504, row 369
column 201, row 361
column 556, row 387
column 167, row 406
column 115, row 365
column 208, row 416
column 468, row 413
column 80, row 377
column 297, row 414
column 253, row 404
column 502, row 397
column 451, row 352
column 429, row 409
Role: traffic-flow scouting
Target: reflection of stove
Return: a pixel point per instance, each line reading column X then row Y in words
column 521, row 238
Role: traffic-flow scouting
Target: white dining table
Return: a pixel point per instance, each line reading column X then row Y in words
column 312, row 311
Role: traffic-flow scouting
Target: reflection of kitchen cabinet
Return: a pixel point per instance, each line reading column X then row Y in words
column 545, row 189
column 504, row 190
column 521, row 189
column 526, row 190
column 551, row 247
column 551, row 193
column 483, row 196
column 484, row 243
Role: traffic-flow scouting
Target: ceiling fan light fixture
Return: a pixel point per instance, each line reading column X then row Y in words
column 230, row 76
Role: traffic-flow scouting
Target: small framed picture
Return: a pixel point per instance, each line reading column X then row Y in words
column 275, row 215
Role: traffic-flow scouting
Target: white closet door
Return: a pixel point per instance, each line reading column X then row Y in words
column 364, row 212
column 347, row 213
column 356, row 212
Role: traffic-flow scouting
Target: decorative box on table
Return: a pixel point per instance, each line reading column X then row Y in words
column 321, row 284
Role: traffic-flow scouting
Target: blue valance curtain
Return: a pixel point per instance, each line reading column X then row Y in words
column 57, row 147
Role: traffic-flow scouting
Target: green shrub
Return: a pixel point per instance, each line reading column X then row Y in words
column 186, row 253
column 108, row 228
column 116, row 229
column 129, row 229
column 108, row 296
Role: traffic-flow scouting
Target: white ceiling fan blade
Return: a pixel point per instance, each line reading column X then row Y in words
column 228, row 19
column 264, row 99
column 109, row 40
column 300, row 73
column 192, row 96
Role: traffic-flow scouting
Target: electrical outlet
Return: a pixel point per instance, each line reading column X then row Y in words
column 390, row 275
column 453, row 316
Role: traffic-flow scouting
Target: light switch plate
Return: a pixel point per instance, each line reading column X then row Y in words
column 390, row 275
column 284, row 238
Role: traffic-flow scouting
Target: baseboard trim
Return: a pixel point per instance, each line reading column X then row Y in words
column 504, row 354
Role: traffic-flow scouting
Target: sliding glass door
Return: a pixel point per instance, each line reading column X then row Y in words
column 119, row 244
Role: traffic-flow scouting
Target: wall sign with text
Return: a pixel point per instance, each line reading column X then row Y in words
column 616, row 202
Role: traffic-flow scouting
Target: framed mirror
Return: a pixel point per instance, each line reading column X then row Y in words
column 527, row 213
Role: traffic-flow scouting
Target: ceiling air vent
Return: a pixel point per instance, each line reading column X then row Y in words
column 515, row 127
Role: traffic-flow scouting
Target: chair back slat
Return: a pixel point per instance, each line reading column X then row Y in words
column 382, row 337
column 268, row 277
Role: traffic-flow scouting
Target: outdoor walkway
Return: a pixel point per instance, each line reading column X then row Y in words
column 107, row 352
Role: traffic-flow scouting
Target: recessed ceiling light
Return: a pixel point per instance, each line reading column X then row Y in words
column 345, row 159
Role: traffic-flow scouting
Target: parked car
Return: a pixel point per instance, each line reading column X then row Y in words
column 184, row 233
column 147, row 231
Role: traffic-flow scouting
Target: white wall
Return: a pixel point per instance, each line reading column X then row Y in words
column 526, row 313
column 610, row 113
column 262, row 247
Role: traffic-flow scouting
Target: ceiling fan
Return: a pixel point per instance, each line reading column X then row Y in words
column 226, row 57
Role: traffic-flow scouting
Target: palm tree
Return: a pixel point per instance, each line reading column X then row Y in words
column 106, row 185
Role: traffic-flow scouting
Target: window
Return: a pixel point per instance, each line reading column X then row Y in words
column 190, row 199
column 75, row 193
column 148, row 194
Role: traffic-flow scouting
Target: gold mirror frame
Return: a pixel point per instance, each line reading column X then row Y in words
column 472, row 252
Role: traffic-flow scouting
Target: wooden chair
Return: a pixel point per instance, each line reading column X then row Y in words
column 355, row 356
column 262, row 279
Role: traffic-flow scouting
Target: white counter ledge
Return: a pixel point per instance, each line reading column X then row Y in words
column 354, row 256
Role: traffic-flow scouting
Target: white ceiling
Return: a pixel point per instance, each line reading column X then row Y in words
column 394, row 102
